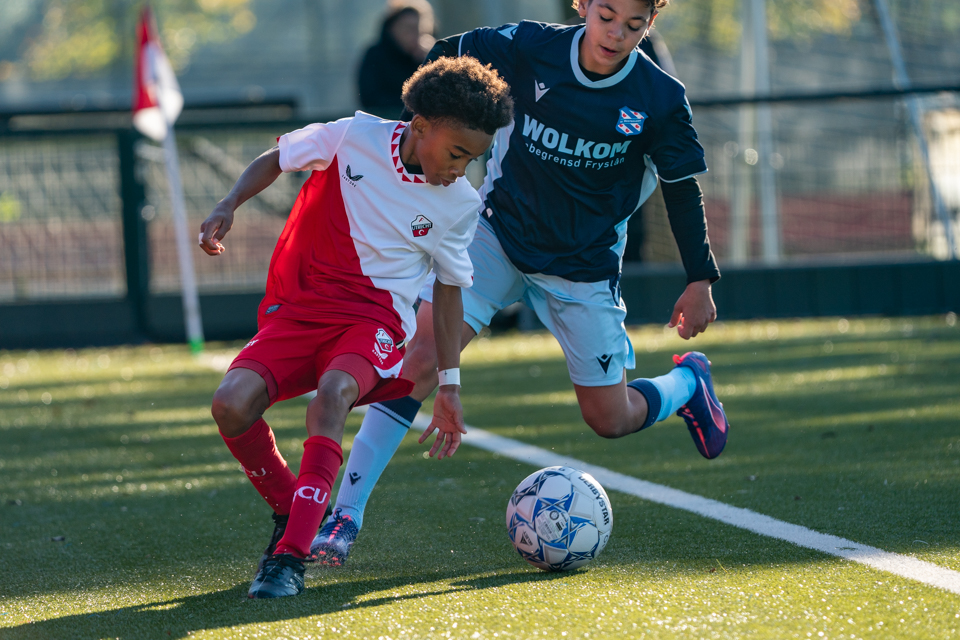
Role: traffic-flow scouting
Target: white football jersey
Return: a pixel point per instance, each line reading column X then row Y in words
column 364, row 230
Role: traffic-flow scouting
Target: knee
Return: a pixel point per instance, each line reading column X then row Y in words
column 334, row 394
column 231, row 413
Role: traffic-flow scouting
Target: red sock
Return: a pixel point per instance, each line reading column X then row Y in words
column 322, row 458
column 257, row 452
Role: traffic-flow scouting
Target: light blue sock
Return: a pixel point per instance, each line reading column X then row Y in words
column 675, row 389
column 381, row 433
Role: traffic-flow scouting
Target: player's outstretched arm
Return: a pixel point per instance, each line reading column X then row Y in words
column 447, row 410
column 695, row 309
column 261, row 173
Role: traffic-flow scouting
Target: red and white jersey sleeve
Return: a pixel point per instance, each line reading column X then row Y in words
column 364, row 233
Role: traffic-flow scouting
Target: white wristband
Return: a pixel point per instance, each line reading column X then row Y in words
column 449, row 376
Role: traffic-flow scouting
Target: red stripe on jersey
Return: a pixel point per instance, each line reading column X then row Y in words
column 315, row 268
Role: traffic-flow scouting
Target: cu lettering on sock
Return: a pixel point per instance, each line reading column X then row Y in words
column 304, row 492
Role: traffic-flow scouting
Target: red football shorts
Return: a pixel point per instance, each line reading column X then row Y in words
column 291, row 354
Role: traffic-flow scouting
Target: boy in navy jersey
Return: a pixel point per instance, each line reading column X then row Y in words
column 384, row 202
column 596, row 124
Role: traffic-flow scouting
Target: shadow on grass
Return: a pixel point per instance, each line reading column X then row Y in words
column 178, row 617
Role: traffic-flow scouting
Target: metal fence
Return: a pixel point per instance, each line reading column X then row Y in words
column 60, row 226
column 848, row 179
column 211, row 161
column 850, row 184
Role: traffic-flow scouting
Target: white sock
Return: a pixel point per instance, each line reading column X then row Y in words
column 380, row 436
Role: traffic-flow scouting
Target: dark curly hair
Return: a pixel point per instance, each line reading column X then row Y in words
column 656, row 4
column 460, row 90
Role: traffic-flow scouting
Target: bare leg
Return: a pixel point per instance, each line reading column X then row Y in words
column 239, row 401
column 612, row 411
column 327, row 413
column 238, row 405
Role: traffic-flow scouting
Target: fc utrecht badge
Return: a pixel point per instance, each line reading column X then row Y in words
column 630, row 122
column 421, row 226
column 384, row 341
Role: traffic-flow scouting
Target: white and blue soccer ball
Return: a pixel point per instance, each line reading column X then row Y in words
column 559, row 518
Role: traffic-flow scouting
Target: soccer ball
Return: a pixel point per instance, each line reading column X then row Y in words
column 559, row 518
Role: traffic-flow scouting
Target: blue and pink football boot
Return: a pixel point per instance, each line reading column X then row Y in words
column 703, row 413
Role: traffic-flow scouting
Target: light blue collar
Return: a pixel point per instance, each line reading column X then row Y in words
column 599, row 84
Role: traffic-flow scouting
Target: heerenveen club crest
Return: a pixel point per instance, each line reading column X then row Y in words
column 631, row 122
column 421, row 226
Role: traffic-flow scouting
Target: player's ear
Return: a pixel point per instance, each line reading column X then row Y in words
column 419, row 126
column 582, row 7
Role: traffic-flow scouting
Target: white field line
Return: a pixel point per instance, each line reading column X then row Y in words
column 895, row 563
column 901, row 565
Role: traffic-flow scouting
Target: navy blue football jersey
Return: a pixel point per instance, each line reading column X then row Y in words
column 580, row 156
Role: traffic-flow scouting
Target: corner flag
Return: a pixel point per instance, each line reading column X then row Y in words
column 157, row 102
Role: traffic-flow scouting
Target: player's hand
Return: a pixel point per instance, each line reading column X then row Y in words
column 448, row 422
column 694, row 310
column 214, row 228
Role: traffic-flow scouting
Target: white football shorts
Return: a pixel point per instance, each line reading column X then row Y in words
column 585, row 317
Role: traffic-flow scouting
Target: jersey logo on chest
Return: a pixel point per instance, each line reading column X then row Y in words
column 540, row 90
column 421, row 226
column 351, row 178
column 631, row 122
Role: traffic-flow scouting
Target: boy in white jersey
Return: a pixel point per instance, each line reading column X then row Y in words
column 386, row 200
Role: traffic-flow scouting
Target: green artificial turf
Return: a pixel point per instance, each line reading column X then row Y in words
column 847, row 427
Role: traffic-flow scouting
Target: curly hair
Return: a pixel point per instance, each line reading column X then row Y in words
column 656, row 4
column 460, row 90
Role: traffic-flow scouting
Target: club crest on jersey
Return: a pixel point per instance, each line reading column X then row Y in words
column 631, row 122
column 421, row 226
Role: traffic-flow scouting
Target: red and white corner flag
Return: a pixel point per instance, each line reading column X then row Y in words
column 157, row 101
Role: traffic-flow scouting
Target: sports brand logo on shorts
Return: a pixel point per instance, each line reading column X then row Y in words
column 630, row 122
column 604, row 361
column 421, row 226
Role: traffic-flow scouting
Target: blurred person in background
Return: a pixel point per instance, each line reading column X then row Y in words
column 405, row 38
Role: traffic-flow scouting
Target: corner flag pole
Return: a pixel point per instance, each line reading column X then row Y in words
column 157, row 102
column 188, row 278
